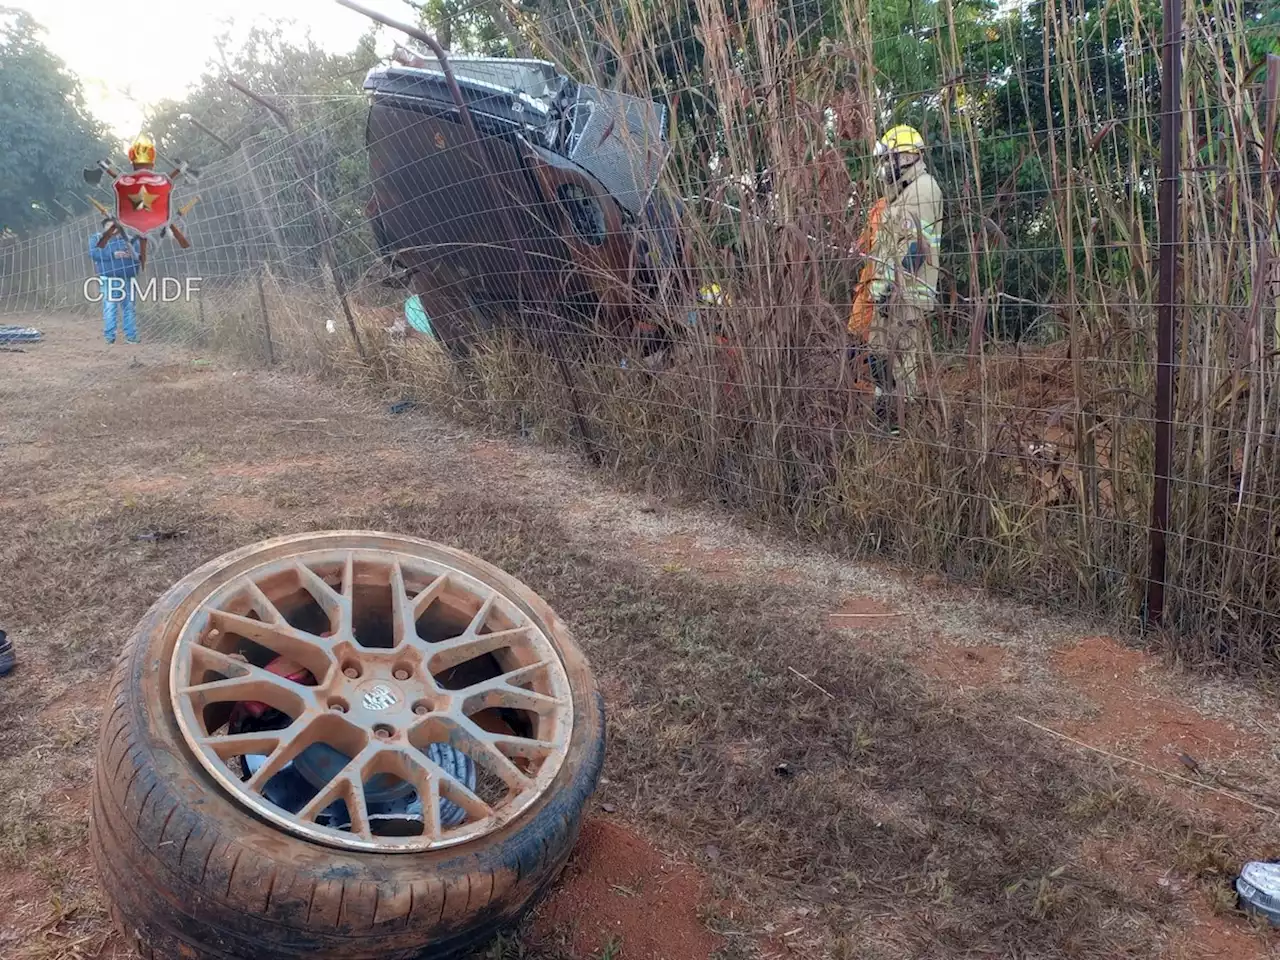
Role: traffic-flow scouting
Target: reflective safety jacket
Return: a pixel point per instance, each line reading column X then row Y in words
column 906, row 248
column 863, row 311
column 902, row 241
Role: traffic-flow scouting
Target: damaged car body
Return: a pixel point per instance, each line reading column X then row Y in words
column 551, row 215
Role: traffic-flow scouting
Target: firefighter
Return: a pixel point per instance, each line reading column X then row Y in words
column 898, row 288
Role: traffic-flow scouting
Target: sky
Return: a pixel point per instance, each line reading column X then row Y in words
column 128, row 60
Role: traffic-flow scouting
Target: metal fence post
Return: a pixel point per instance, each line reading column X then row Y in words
column 266, row 319
column 318, row 214
column 1166, row 292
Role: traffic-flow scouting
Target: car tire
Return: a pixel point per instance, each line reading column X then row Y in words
column 191, row 873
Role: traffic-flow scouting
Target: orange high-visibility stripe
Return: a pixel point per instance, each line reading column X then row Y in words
column 863, row 311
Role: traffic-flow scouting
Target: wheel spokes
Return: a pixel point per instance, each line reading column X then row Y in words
column 463, row 734
column 308, row 650
column 336, row 604
column 375, row 700
column 468, row 646
column 294, row 739
column 428, row 594
column 243, row 681
column 231, row 745
column 346, row 785
column 501, row 692
column 432, row 782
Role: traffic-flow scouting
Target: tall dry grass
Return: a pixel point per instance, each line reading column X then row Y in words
column 1028, row 465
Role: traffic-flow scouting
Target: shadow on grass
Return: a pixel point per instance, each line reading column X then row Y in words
column 933, row 830
column 888, row 809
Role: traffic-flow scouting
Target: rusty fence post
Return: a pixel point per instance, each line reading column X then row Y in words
column 1166, row 309
column 316, row 205
column 266, row 320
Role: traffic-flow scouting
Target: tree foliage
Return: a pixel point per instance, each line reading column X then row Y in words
column 465, row 28
column 295, row 72
column 46, row 131
column 322, row 93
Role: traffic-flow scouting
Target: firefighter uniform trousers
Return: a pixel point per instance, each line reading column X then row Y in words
column 898, row 332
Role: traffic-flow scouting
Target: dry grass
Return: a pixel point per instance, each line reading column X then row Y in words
column 1031, row 474
column 880, row 803
column 900, row 822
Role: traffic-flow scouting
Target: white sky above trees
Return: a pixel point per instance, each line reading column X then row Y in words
column 126, row 61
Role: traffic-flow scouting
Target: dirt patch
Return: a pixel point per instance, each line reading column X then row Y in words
column 1137, row 718
column 855, row 805
column 1203, row 934
column 244, row 507
column 55, row 913
column 1211, row 937
column 255, row 471
column 145, row 486
column 968, row 666
column 620, row 897
column 26, row 900
column 680, row 552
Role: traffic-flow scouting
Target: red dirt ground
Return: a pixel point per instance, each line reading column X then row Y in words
column 618, row 889
column 967, row 666
column 1134, row 717
column 618, row 886
column 681, row 552
column 1207, row 937
column 1139, row 722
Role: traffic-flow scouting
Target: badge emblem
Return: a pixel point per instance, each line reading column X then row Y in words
column 142, row 201
column 379, row 698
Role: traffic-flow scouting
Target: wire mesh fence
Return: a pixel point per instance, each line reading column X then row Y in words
column 660, row 232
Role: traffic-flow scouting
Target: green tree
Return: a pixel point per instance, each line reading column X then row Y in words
column 46, row 131
column 465, row 28
column 295, row 72
column 322, row 92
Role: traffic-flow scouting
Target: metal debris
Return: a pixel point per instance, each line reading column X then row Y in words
column 1259, row 888
column 10, row 333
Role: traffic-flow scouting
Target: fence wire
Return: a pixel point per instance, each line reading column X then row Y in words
column 559, row 306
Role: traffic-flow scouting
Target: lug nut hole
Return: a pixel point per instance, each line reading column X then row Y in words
column 338, row 706
column 402, row 673
column 351, row 671
column 383, row 732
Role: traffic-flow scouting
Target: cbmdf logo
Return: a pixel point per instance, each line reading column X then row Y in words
column 144, row 204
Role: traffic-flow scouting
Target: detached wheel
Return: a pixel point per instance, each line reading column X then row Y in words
column 341, row 745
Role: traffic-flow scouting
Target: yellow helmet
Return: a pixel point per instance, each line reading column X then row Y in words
column 711, row 293
column 900, row 139
column 142, row 151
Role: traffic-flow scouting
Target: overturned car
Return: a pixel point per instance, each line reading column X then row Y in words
column 551, row 215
